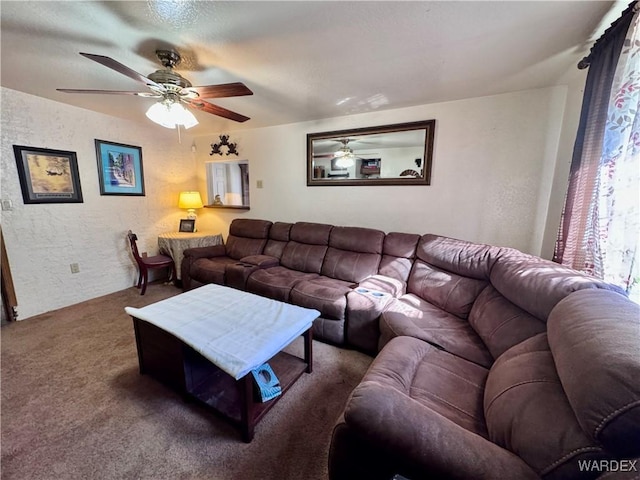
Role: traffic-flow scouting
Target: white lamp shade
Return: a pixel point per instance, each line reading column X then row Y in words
column 190, row 200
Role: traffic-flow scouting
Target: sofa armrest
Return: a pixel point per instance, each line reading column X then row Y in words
column 385, row 284
column 190, row 255
column 425, row 442
column 205, row 252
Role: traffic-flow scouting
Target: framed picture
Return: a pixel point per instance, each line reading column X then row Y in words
column 187, row 225
column 119, row 169
column 48, row 176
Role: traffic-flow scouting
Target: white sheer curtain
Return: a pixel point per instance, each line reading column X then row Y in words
column 600, row 226
column 617, row 256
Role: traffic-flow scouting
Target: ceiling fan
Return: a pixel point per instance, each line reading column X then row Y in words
column 172, row 90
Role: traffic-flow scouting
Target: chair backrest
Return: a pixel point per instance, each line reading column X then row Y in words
column 134, row 247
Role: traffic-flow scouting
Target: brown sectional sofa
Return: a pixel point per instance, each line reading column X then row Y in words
column 489, row 363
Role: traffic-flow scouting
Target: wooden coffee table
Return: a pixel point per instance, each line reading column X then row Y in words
column 194, row 343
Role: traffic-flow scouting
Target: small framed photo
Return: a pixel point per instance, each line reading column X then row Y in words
column 187, row 225
column 48, row 176
column 119, row 169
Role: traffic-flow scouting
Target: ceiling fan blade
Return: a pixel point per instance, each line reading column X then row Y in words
column 236, row 89
column 216, row 110
column 110, row 92
column 123, row 69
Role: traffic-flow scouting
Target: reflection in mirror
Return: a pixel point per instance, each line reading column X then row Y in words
column 228, row 184
column 398, row 154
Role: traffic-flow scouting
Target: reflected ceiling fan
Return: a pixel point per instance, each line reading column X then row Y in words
column 172, row 90
column 343, row 151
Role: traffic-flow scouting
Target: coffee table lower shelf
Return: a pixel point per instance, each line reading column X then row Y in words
column 169, row 360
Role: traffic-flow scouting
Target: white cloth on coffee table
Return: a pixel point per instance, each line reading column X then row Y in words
column 237, row 331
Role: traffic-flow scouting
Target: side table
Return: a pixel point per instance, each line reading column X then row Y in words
column 175, row 243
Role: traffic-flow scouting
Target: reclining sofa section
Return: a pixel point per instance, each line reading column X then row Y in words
column 489, row 363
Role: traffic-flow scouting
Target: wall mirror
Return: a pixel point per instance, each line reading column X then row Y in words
column 399, row 154
column 228, row 184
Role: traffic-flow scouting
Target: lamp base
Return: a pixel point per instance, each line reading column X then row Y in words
column 191, row 213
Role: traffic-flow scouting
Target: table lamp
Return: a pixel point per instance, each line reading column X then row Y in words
column 190, row 201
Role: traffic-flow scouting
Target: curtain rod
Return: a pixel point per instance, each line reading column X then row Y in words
column 630, row 10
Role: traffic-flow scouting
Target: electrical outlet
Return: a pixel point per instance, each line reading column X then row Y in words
column 144, row 255
column 75, row 268
column 259, row 183
column 7, row 205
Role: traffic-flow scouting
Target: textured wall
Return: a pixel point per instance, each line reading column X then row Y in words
column 493, row 169
column 493, row 166
column 44, row 239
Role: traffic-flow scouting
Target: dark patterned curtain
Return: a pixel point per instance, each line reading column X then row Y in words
column 599, row 227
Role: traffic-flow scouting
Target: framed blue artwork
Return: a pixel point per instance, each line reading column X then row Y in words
column 119, row 169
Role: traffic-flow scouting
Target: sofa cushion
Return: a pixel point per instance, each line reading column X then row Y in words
column 262, row 261
column 418, row 412
column 311, row 233
column 349, row 266
column 303, row 257
column 353, row 253
column 437, row 380
column 276, row 282
column 247, row 237
column 357, row 239
column 411, row 316
column 500, row 323
column 537, row 285
column 327, row 295
column 595, row 340
column 527, row 412
column 210, row 270
column 250, row 228
column 451, row 292
column 278, row 238
column 468, row 259
column 307, row 246
column 398, row 252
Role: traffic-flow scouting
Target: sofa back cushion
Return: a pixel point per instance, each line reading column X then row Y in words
column 594, row 336
column 278, row 238
column 528, row 413
column 247, row 237
column 474, row 260
column 354, row 253
column 537, row 285
column 500, row 323
column 451, row 273
column 307, row 246
column 451, row 292
column 398, row 253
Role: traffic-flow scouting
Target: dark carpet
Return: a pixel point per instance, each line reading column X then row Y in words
column 75, row 407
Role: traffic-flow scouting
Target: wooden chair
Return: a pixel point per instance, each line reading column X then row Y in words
column 148, row 263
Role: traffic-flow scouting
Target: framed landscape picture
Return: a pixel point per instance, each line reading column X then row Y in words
column 119, row 168
column 48, row 176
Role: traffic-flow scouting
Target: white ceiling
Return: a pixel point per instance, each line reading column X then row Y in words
column 303, row 60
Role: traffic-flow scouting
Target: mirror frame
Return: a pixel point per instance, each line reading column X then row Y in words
column 427, row 125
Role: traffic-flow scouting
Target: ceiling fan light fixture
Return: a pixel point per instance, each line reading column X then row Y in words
column 345, row 161
column 171, row 114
